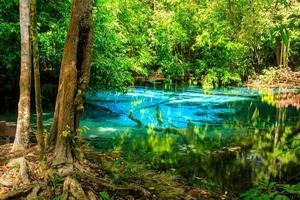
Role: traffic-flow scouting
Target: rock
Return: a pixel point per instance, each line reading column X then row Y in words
column 7, row 129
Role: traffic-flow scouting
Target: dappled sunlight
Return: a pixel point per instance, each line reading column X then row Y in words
column 106, row 129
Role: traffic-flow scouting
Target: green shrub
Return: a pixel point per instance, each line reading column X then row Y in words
column 272, row 190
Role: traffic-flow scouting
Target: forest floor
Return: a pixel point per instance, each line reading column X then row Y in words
column 276, row 77
column 283, row 78
column 101, row 176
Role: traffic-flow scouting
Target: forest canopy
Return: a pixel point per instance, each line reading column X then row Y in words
column 212, row 43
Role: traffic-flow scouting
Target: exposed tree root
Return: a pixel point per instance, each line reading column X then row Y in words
column 21, row 192
column 72, row 188
column 10, row 155
column 85, row 179
column 105, row 183
column 34, row 192
column 18, row 173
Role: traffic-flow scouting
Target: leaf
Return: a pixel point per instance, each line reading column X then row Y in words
column 264, row 197
column 104, row 195
column 284, row 36
column 272, row 185
column 281, row 197
column 294, row 16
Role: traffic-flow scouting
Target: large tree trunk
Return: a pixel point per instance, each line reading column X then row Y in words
column 73, row 81
column 37, row 85
column 23, row 123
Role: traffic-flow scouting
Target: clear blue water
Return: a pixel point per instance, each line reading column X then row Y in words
column 108, row 112
column 176, row 107
column 202, row 124
column 187, row 130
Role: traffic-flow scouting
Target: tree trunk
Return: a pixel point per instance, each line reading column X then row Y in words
column 287, row 54
column 282, row 51
column 278, row 51
column 23, row 123
column 37, row 85
column 73, row 81
column 284, row 56
column 281, row 55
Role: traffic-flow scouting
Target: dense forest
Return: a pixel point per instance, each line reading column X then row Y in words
column 212, row 43
column 149, row 99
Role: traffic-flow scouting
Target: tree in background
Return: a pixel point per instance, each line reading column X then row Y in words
column 23, row 123
column 37, row 85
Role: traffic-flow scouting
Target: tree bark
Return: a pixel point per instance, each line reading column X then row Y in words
column 23, row 123
column 287, row 53
column 73, row 81
column 284, row 56
column 282, row 51
column 278, row 51
column 37, row 85
column 281, row 55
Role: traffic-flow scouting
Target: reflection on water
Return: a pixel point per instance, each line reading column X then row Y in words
column 222, row 139
column 226, row 139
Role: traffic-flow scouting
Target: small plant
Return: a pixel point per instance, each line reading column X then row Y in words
column 210, row 81
column 16, row 166
column 104, row 195
column 60, row 197
column 56, row 181
column 66, row 133
column 82, row 130
column 272, row 190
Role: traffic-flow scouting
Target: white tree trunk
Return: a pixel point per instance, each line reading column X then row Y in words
column 23, row 123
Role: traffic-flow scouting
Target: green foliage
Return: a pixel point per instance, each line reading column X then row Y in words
column 270, row 75
column 16, row 165
column 60, row 197
column 53, row 21
column 104, row 195
column 272, row 190
column 218, row 42
column 66, row 133
column 56, row 181
column 9, row 34
column 210, row 80
column 82, row 130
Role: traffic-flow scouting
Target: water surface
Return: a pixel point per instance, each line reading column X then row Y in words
column 223, row 139
column 227, row 139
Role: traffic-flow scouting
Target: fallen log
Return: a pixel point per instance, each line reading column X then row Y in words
column 138, row 122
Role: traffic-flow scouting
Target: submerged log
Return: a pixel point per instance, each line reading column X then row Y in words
column 138, row 122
